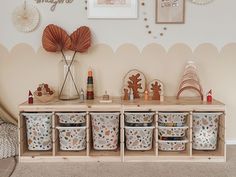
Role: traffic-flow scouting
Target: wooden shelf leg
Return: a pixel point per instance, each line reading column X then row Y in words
column 88, row 136
column 156, row 133
column 122, row 136
column 54, row 138
column 190, row 126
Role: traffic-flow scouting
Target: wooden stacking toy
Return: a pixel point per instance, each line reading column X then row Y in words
column 90, row 93
column 190, row 80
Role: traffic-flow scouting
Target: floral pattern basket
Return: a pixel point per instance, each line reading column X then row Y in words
column 139, row 138
column 72, row 138
column 105, row 128
column 139, row 117
column 71, row 118
column 205, row 130
column 39, row 131
column 172, row 131
column 172, row 119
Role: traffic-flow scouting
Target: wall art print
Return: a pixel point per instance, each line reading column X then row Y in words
column 112, row 9
column 170, row 11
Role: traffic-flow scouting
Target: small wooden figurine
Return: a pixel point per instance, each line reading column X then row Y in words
column 81, row 97
column 161, row 97
column 126, row 94
column 105, row 98
column 135, row 85
column 146, row 94
column 30, row 98
column 131, row 95
column 209, row 96
column 156, row 91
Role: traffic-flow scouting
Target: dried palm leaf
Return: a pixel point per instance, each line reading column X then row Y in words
column 81, row 39
column 55, row 39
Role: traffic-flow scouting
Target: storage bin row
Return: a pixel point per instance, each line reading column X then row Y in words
column 105, row 131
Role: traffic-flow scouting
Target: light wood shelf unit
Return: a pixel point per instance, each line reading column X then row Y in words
column 170, row 104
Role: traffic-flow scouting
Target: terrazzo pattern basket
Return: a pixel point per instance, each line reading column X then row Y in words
column 172, row 131
column 205, row 130
column 105, row 128
column 165, row 145
column 139, row 117
column 139, row 138
column 172, row 119
column 39, row 131
column 71, row 118
column 72, row 138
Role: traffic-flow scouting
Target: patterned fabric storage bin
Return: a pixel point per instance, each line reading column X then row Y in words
column 205, row 130
column 172, row 119
column 139, row 138
column 105, row 128
column 139, row 117
column 172, row 131
column 165, row 145
column 72, row 138
column 39, row 131
column 72, row 118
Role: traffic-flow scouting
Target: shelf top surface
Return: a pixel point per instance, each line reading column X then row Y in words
column 118, row 103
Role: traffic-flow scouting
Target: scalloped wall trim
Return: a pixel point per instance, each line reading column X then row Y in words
column 22, row 69
column 140, row 50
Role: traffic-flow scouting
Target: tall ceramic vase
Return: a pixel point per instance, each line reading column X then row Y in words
column 68, row 79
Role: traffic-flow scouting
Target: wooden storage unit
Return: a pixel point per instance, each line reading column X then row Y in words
column 170, row 104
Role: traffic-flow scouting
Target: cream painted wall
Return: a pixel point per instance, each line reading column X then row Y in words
column 23, row 67
column 214, row 23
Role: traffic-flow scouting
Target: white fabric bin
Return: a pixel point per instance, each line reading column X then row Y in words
column 39, row 131
column 139, row 138
column 205, row 130
column 67, row 118
column 72, row 138
column 105, row 128
column 139, row 117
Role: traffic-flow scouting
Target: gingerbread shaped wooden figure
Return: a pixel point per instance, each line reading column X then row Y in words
column 156, row 91
column 135, row 85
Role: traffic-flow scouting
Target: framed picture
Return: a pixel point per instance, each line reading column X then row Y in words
column 170, row 11
column 111, row 9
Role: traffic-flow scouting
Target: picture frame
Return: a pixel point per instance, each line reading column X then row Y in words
column 170, row 11
column 112, row 9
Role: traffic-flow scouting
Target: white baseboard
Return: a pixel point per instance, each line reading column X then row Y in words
column 231, row 142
